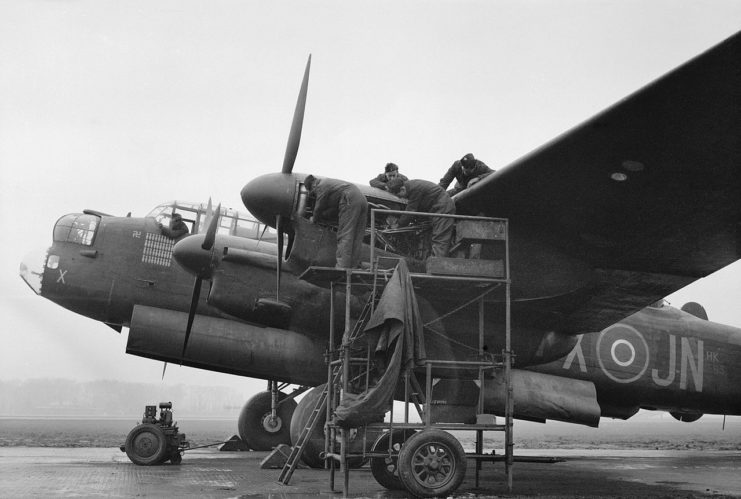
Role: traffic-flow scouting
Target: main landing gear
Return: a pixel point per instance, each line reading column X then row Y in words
column 314, row 450
column 265, row 420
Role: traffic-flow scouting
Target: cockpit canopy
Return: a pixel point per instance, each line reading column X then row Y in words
column 80, row 228
column 232, row 222
column 76, row 228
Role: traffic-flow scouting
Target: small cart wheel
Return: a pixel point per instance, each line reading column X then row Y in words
column 385, row 469
column 176, row 458
column 432, row 463
column 146, row 445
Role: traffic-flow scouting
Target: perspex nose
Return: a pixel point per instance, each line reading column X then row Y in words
column 32, row 269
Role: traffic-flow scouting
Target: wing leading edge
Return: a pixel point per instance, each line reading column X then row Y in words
column 646, row 193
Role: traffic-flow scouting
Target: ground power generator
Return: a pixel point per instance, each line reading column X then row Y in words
column 155, row 441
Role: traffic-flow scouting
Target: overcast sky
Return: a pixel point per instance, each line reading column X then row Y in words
column 121, row 105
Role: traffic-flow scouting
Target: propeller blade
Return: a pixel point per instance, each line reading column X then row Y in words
column 279, row 228
column 298, row 121
column 262, row 234
column 289, row 246
column 209, row 213
column 164, row 368
column 191, row 313
column 208, row 241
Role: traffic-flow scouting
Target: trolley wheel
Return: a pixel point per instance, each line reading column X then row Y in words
column 385, row 469
column 432, row 463
column 146, row 445
column 176, row 458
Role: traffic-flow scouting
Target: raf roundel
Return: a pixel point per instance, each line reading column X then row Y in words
column 622, row 353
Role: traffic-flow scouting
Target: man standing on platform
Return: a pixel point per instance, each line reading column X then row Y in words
column 424, row 196
column 345, row 203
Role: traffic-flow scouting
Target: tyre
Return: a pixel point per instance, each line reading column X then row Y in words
column 258, row 430
column 314, row 449
column 385, row 469
column 315, row 445
column 146, row 445
column 432, row 463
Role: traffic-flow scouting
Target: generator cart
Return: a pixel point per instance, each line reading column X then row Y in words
column 155, row 441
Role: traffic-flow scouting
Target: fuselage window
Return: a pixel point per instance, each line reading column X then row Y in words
column 225, row 225
column 75, row 228
column 247, row 228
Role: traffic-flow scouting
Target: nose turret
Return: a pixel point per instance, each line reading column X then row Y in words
column 32, row 269
column 272, row 194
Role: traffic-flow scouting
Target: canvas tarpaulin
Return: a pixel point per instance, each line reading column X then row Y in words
column 396, row 330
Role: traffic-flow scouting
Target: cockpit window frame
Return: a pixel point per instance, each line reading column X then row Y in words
column 232, row 222
column 77, row 228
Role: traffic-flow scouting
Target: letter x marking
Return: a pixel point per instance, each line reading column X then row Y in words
column 61, row 276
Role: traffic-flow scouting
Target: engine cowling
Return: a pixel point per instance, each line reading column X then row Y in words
column 227, row 346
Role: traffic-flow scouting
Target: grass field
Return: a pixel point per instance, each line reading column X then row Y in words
column 662, row 433
column 35, row 432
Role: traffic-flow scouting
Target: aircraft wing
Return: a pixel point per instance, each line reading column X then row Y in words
column 647, row 193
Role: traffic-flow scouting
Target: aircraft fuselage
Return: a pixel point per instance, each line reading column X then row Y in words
column 657, row 358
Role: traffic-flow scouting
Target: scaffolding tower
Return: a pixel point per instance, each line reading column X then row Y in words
column 420, row 457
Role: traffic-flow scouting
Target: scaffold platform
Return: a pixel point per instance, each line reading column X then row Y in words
column 421, row 457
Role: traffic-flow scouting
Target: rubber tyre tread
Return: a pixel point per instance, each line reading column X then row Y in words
column 315, row 445
column 379, row 466
column 421, row 440
column 158, row 456
column 250, row 426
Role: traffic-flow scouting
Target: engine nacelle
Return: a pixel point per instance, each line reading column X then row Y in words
column 227, row 346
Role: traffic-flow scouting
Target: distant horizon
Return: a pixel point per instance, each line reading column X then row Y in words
column 68, row 398
column 227, row 408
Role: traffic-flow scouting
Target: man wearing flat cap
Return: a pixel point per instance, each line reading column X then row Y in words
column 381, row 181
column 466, row 171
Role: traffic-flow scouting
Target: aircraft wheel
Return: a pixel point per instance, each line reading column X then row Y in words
column 432, row 463
column 146, row 445
column 385, row 469
column 314, row 449
column 315, row 446
column 258, row 430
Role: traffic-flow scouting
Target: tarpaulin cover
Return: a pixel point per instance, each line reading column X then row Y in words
column 396, row 329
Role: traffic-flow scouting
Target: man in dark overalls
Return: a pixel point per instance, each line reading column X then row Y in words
column 467, row 171
column 424, row 196
column 341, row 201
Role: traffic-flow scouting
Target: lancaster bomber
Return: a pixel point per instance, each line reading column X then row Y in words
column 604, row 222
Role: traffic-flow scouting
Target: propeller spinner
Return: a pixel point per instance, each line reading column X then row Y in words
column 196, row 254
